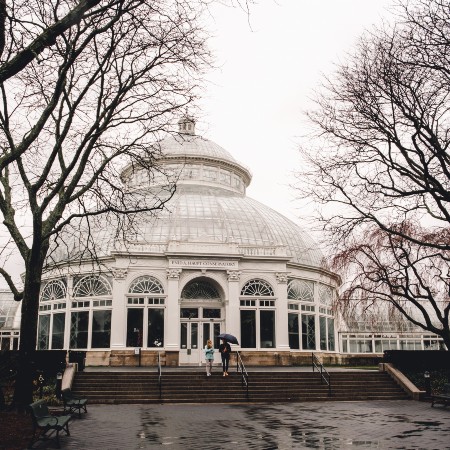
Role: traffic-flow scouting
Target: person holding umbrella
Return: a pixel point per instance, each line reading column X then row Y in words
column 225, row 351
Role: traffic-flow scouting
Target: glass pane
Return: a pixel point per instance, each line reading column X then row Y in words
column 6, row 342
column 330, row 334
column 206, row 333
column 135, row 320
column 59, row 321
column 344, row 346
column 155, row 328
column 183, row 335
column 194, row 335
column 43, row 333
column 79, row 323
column 101, row 329
column 267, row 329
column 323, row 333
column 189, row 313
column 211, row 313
column 216, row 340
column 294, row 338
column 308, row 333
column 248, row 329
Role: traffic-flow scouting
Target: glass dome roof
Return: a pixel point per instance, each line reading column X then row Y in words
column 206, row 214
column 209, row 206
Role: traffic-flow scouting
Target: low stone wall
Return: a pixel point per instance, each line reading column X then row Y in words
column 119, row 358
column 129, row 358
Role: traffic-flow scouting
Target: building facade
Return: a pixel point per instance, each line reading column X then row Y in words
column 212, row 261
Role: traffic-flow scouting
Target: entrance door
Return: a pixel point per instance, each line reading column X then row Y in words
column 194, row 336
column 189, row 348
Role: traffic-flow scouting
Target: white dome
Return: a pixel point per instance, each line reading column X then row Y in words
column 209, row 205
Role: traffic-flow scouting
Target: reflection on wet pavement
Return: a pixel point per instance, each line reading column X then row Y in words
column 329, row 425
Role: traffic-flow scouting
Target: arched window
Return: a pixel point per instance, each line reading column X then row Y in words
column 300, row 290
column 257, row 315
column 325, row 294
column 200, row 289
column 257, row 288
column 146, row 285
column 53, row 290
column 145, row 312
column 92, row 286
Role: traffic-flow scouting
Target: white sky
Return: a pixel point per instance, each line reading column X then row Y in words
column 255, row 101
column 269, row 65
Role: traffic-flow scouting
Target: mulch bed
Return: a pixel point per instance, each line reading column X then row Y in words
column 16, row 430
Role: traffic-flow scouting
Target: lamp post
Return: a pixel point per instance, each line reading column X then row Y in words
column 426, row 375
column 59, row 376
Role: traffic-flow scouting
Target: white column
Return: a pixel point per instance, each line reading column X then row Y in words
column 119, row 310
column 232, row 315
column 281, row 321
column 172, row 320
column 69, row 298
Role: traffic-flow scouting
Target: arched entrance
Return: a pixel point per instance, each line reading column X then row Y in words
column 201, row 318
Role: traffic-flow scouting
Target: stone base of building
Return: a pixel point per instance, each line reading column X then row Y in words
column 149, row 358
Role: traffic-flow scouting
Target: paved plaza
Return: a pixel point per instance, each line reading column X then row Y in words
column 327, row 425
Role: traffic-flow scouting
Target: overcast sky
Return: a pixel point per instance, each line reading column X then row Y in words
column 269, row 65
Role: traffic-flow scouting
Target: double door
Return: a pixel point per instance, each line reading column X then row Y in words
column 193, row 338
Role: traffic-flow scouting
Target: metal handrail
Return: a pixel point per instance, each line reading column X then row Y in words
column 159, row 375
column 324, row 375
column 244, row 375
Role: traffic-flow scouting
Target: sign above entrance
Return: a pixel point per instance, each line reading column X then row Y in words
column 203, row 264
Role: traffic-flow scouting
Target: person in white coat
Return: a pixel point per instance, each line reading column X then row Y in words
column 209, row 357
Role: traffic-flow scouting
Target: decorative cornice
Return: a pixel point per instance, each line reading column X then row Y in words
column 118, row 273
column 173, row 273
column 234, row 275
column 282, row 277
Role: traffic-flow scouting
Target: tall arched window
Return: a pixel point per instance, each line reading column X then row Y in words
column 146, row 285
column 53, row 290
column 90, row 319
column 257, row 315
column 258, row 288
column 301, row 290
column 52, row 316
column 200, row 289
column 145, row 312
column 92, row 286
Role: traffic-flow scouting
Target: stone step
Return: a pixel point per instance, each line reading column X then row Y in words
column 195, row 387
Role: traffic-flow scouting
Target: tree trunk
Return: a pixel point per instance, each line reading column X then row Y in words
column 23, row 390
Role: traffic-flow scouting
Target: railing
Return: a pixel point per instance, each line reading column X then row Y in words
column 324, row 375
column 159, row 375
column 244, row 374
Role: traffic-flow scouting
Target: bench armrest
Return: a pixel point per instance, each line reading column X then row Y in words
column 46, row 420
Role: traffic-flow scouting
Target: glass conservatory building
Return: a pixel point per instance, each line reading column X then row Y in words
column 213, row 261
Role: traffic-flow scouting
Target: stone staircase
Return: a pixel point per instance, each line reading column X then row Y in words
column 194, row 387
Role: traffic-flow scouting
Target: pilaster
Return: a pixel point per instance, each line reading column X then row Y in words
column 232, row 315
column 282, row 325
column 172, row 327
column 119, row 309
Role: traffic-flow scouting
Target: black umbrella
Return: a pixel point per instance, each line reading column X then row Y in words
column 229, row 337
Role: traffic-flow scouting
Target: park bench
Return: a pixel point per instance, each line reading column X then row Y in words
column 72, row 403
column 443, row 397
column 44, row 422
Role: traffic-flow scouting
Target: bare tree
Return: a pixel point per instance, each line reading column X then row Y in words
column 381, row 173
column 85, row 88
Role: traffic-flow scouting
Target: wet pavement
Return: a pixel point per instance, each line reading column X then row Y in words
column 325, row 425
